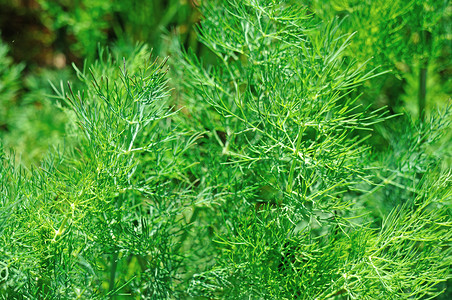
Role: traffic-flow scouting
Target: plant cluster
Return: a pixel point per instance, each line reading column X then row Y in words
column 263, row 175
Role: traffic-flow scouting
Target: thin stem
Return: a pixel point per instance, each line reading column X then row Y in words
column 294, row 161
column 114, row 264
column 423, row 78
column 422, row 91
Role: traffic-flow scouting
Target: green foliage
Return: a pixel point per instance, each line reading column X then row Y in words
column 9, row 82
column 262, row 175
column 405, row 36
column 296, row 143
column 88, row 23
column 35, row 124
column 110, row 200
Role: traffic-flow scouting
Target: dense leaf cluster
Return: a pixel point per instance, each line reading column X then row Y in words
column 257, row 177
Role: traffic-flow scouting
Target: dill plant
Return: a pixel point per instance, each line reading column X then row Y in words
column 409, row 37
column 253, row 178
column 105, row 207
column 300, row 215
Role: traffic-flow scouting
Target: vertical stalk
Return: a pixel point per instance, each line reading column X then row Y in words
column 292, row 167
column 422, row 89
column 426, row 36
column 114, row 263
column 184, row 236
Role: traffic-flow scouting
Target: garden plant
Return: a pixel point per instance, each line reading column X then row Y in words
column 228, row 149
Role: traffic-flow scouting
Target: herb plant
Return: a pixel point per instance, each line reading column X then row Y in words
column 259, row 176
column 410, row 37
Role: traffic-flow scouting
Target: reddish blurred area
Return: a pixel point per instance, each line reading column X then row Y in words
column 29, row 40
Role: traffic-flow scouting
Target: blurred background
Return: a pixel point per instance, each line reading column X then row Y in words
column 41, row 41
